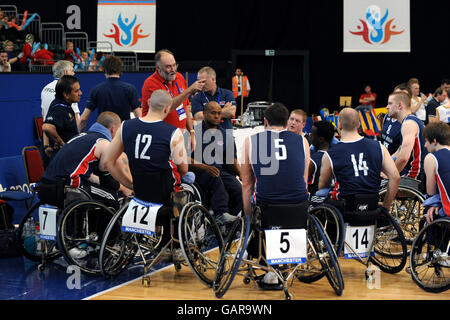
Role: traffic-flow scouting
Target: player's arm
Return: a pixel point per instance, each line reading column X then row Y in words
column 179, row 154
column 326, row 172
column 430, row 173
column 307, row 159
column 409, row 133
column 84, row 119
column 247, row 177
column 390, row 170
column 111, row 159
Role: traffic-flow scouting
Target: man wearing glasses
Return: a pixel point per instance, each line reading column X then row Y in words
column 167, row 78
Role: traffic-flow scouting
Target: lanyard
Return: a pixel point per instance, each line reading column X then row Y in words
column 178, row 88
column 218, row 95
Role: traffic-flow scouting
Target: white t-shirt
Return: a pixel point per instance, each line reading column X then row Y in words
column 421, row 113
column 444, row 113
column 48, row 95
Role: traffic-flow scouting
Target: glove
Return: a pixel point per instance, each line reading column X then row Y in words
column 189, row 177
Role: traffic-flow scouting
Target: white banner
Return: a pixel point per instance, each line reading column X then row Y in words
column 377, row 26
column 127, row 25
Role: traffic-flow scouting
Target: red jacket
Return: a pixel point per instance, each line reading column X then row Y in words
column 41, row 55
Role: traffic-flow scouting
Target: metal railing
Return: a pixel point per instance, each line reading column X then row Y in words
column 80, row 39
column 53, row 34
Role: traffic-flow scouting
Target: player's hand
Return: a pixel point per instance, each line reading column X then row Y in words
column 212, row 171
column 432, row 212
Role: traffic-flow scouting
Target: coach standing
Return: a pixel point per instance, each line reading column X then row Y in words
column 112, row 95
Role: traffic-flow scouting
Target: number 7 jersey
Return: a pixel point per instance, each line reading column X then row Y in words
column 356, row 166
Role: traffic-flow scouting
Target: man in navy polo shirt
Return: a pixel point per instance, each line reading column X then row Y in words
column 215, row 165
column 112, row 95
column 211, row 92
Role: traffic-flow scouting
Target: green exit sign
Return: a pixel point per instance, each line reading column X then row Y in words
column 270, row 52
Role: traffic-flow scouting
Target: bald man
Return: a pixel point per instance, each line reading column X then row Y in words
column 356, row 163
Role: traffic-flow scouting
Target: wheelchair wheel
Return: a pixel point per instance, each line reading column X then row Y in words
column 32, row 248
column 407, row 209
column 231, row 255
column 119, row 248
column 80, row 230
column 326, row 254
column 332, row 222
column 195, row 190
column 200, row 241
column 390, row 249
column 429, row 258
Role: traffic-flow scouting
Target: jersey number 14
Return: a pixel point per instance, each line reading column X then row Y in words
column 360, row 166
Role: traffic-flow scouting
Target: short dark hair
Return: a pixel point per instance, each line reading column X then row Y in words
column 64, row 85
column 325, row 129
column 112, row 65
column 404, row 87
column 438, row 91
column 445, row 81
column 439, row 131
column 277, row 114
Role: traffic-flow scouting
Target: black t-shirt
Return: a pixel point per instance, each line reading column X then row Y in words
column 61, row 115
column 431, row 109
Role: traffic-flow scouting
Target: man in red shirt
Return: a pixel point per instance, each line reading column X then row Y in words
column 167, row 78
column 369, row 98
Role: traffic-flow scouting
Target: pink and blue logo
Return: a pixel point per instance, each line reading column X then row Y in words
column 376, row 29
column 126, row 33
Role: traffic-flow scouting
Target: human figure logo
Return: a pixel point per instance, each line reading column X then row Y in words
column 126, row 33
column 376, row 29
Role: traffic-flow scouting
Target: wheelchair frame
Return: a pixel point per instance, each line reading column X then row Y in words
column 248, row 268
column 426, row 258
column 407, row 207
column 149, row 250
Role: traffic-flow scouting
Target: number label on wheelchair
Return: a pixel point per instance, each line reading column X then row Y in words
column 140, row 217
column 358, row 242
column 286, row 246
column 47, row 222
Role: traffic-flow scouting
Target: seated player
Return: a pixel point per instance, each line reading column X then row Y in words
column 79, row 158
column 274, row 172
column 356, row 164
column 322, row 133
column 215, row 165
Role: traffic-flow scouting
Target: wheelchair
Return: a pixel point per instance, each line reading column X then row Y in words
column 246, row 251
column 429, row 257
column 48, row 232
column 368, row 236
column 407, row 207
column 192, row 228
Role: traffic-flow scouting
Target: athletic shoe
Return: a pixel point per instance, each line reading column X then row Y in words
column 77, row 253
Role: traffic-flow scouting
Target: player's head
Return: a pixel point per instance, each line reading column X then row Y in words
column 436, row 133
column 209, row 75
column 297, row 121
column 322, row 132
column 160, row 102
column 398, row 103
column 276, row 115
column 349, row 120
column 212, row 113
column 110, row 121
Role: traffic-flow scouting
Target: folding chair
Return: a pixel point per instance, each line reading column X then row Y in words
column 34, row 168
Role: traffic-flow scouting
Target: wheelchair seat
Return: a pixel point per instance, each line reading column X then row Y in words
column 284, row 216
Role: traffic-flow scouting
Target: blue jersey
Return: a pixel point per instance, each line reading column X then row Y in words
column 278, row 162
column 148, row 148
column 356, row 166
column 443, row 177
column 316, row 160
column 414, row 167
column 76, row 159
column 391, row 134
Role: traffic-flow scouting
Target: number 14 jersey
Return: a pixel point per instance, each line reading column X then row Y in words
column 356, row 166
